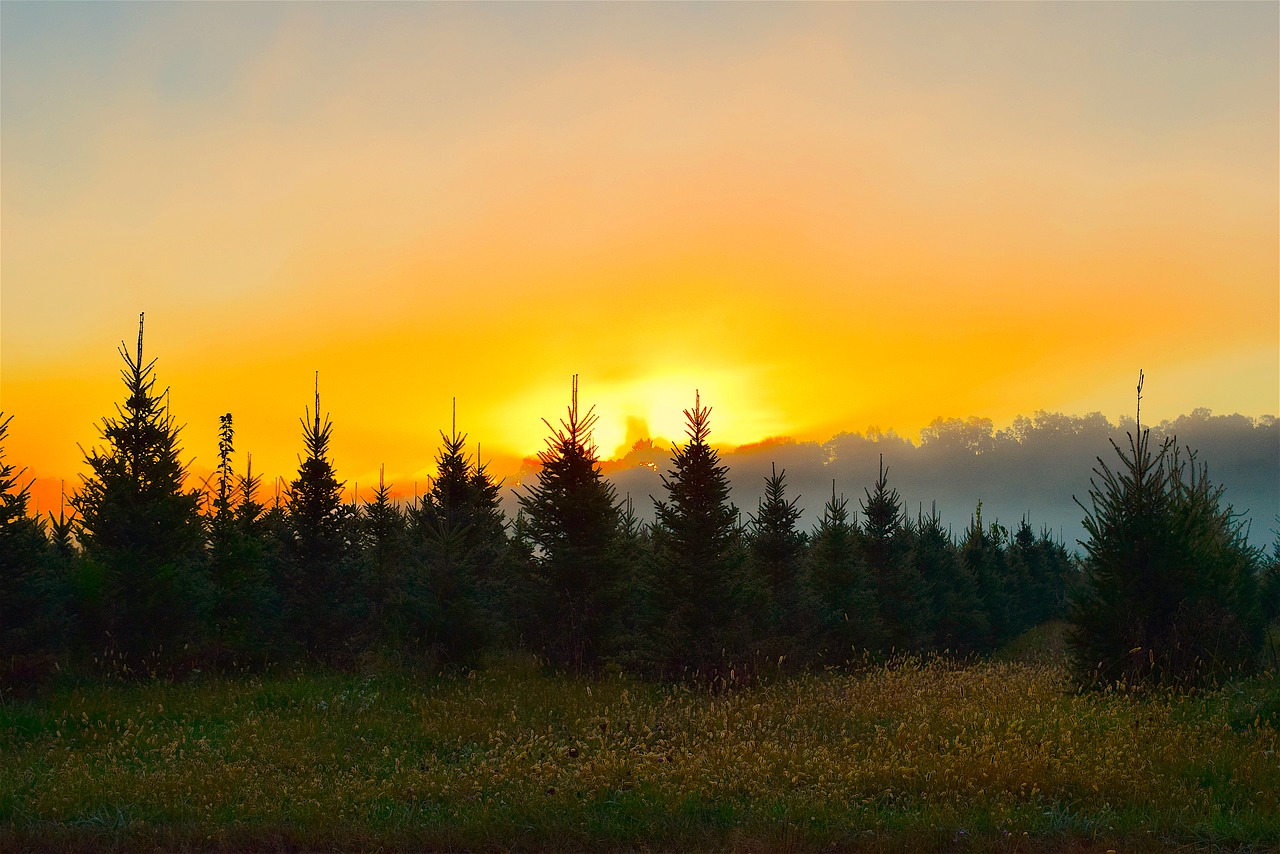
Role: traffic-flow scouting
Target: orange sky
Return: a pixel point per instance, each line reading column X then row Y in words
column 824, row 216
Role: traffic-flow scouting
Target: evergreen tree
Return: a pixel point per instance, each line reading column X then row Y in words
column 318, row 590
column 1270, row 584
column 62, row 531
column 242, row 596
column 1169, row 588
column 633, row 551
column 143, row 589
column 384, row 545
column 703, row 603
column 1042, row 568
column 849, row 618
column 33, row 616
column 572, row 520
column 462, row 549
column 960, row 622
column 985, row 558
column 900, row 591
column 777, row 550
column 1028, row 572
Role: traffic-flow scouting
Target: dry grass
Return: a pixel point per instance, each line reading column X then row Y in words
column 921, row 754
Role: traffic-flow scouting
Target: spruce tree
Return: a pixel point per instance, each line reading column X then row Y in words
column 777, row 550
column 1269, row 586
column 317, row 587
column 460, row 546
column 849, row 619
column 143, row 588
column 384, row 570
column 900, row 591
column 1027, row 571
column 702, row 602
column 1169, row 587
column 1041, row 567
column 984, row 555
column 244, row 600
column 633, row 551
column 572, row 520
column 33, row 617
column 959, row 620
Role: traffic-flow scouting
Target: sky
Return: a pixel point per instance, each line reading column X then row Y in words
column 824, row 217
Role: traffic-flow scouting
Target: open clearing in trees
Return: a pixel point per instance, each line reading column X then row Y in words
column 916, row 753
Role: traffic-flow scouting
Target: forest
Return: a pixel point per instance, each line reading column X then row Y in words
column 148, row 575
column 201, row 669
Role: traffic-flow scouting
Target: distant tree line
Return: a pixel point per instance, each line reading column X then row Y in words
column 150, row 576
column 1035, row 464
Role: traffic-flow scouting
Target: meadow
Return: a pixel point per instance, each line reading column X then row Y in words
column 920, row 754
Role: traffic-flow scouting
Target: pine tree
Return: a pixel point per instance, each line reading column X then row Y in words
column 1169, row 588
column 633, row 551
column 318, row 589
column 143, row 587
column 461, row 549
column 1041, row 568
column 244, row 602
column 33, row 593
column 385, row 554
column 959, row 620
column 572, row 520
column 849, row 618
column 904, row 617
column 984, row 555
column 703, row 603
column 777, row 550
column 1269, row 587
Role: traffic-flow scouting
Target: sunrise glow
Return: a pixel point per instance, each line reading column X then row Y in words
column 823, row 217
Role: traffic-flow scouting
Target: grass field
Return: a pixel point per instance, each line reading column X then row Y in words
column 913, row 754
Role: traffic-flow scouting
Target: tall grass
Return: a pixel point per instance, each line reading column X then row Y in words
column 921, row 752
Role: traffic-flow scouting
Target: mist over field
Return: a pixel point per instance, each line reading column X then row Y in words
column 1033, row 468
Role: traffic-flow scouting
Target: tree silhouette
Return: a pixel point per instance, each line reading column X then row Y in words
column 572, row 518
column 1169, row 588
column 244, row 603
column 317, row 585
column 959, row 619
column 33, row 594
column 389, row 621
column 140, row 528
column 460, row 546
column 777, row 550
column 900, row 590
column 984, row 555
column 850, row 619
column 701, row 597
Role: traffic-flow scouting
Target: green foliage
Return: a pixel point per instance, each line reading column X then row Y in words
column 1269, row 587
column 633, row 551
column 245, row 603
column 702, row 601
column 900, row 591
column 850, row 616
column 1041, row 571
column 318, row 584
column 1169, row 588
column 777, row 551
column 571, row 518
column 33, row 594
column 960, row 620
column 144, row 592
column 985, row 557
column 384, row 571
column 459, row 549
